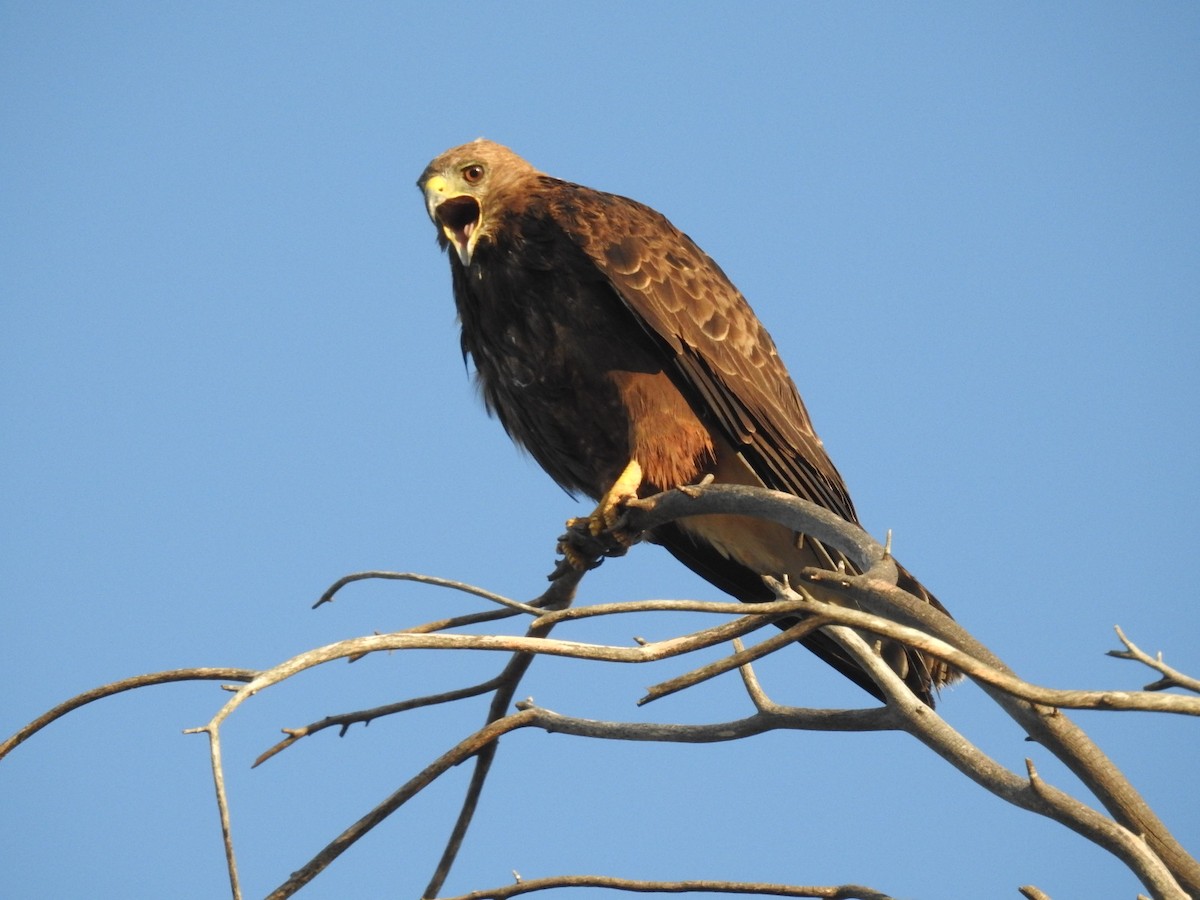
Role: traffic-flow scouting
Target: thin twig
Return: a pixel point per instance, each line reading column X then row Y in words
column 462, row 586
column 365, row 716
column 126, row 684
column 1171, row 677
column 754, row 688
column 218, row 773
column 737, row 659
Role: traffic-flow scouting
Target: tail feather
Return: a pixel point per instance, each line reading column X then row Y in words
column 923, row 674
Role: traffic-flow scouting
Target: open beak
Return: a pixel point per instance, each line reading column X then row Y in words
column 457, row 215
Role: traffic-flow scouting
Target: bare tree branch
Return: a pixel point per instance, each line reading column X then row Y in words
column 218, row 772
column 558, row 596
column 737, row 660
column 836, row 892
column 1031, row 793
column 775, row 718
column 1047, row 726
column 872, row 606
column 462, row 586
column 344, row 720
column 1171, row 677
column 969, row 664
column 365, row 716
column 462, row 751
column 117, row 687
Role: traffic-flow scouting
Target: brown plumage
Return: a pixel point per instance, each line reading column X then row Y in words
column 601, row 335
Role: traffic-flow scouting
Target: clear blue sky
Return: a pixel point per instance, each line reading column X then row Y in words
column 230, row 375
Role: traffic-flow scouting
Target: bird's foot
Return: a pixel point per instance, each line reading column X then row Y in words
column 581, row 550
column 589, row 539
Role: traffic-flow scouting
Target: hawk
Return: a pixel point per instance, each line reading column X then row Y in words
column 622, row 358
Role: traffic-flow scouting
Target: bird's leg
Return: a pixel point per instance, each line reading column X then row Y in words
column 603, row 520
column 608, row 510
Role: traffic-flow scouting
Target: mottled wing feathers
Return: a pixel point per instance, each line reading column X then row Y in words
column 721, row 350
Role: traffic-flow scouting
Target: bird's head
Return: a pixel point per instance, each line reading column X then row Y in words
column 465, row 189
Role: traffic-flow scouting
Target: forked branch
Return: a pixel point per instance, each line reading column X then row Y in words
column 1170, row 677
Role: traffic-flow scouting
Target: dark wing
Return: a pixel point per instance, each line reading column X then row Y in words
column 721, row 351
column 724, row 358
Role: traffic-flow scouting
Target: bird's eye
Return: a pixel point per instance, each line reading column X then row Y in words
column 473, row 174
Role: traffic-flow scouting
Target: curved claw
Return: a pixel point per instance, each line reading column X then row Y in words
column 603, row 526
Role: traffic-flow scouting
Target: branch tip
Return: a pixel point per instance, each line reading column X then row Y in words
column 1035, row 780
